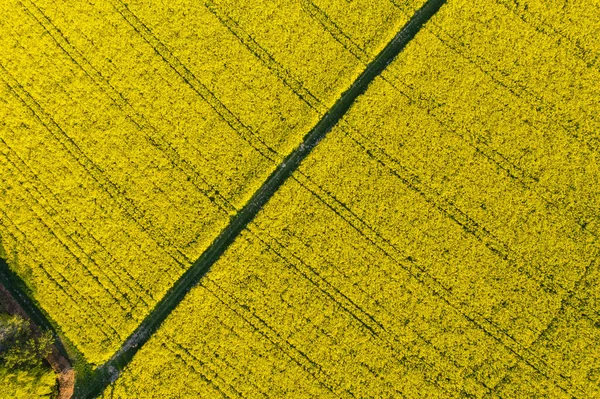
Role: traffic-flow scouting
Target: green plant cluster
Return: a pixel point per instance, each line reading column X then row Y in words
column 23, row 373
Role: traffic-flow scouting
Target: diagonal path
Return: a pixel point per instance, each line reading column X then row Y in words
column 95, row 383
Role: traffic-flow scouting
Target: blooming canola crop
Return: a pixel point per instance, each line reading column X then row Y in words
column 439, row 242
column 132, row 132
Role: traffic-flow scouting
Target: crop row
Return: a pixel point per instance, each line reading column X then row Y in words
column 419, row 251
column 131, row 133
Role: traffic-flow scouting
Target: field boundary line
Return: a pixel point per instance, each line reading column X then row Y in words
column 109, row 372
column 55, row 276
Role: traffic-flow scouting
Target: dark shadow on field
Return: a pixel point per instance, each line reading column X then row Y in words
column 15, row 299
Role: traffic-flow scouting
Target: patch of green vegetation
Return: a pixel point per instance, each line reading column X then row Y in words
column 23, row 372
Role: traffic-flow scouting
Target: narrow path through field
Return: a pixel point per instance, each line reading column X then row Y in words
column 94, row 384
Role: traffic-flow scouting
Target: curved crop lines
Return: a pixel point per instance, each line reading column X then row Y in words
column 73, row 248
column 368, row 322
column 58, row 225
column 260, row 53
column 155, row 140
column 116, row 193
column 434, row 244
column 278, row 176
column 449, row 209
column 264, row 56
column 101, row 312
column 62, row 283
column 458, row 216
column 578, row 49
column 152, row 134
column 232, row 120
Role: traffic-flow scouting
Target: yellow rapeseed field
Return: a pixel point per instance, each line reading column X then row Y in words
column 132, row 132
column 440, row 242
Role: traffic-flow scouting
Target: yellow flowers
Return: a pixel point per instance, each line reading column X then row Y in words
column 132, row 132
column 440, row 242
